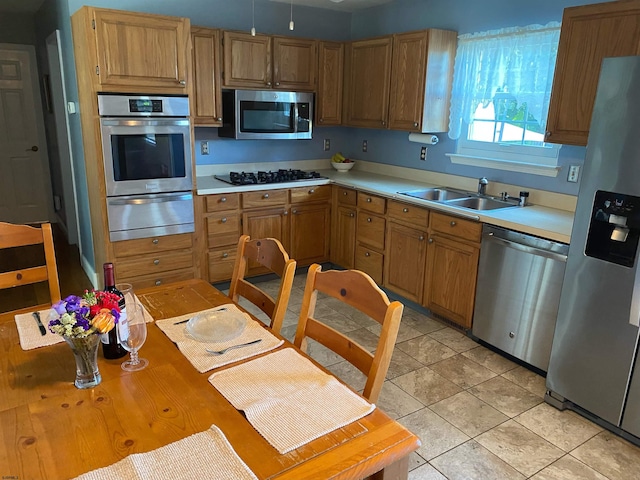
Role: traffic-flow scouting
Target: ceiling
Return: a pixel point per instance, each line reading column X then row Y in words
column 341, row 5
column 20, row 6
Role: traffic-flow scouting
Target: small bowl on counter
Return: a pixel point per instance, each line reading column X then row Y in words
column 343, row 166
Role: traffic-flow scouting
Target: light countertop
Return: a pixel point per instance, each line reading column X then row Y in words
column 546, row 222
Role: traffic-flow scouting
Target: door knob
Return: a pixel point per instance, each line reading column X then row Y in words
column 33, row 149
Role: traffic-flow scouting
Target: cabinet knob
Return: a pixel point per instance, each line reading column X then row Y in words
column 321, row 120
column 277, row 84
column 266, row 195
column 295, row 212
column 415, row 124
column 345, row 193
column 225, row 255
column 33, row 149
column 156, row 261
column 367, row 254
column 453, row 223
column 158, row 283
column 547, row 134
column 312, row 191
column 421, row 238
column 369, row 200
column 352, row 214
column 268, row 84
column 405, row 210
column 285, row 213
column 369, row 219
column 155, row 241
column 511, row 334
column 219, row 119
column 430, row 240
column 223, row 220
column 182, row 82
column 223, row 199
column 383, row 123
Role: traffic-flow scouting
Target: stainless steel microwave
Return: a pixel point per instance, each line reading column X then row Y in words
column 266, row 114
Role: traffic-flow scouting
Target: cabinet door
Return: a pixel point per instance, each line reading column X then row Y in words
column 330, row 79
column 404, row 262
column 247, row 60
column 367, row 95
column 344, row 237
column 310, row 233
column 267, row 223
column 141, row 50
column 207, row 94
column 589, row 33
column 450, row 286
column 295, row 61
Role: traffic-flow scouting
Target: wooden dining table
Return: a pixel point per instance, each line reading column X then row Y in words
column 51, row 430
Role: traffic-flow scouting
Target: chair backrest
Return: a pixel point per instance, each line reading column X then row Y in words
column 357, row 289
column 269, row 253
column 23, row 235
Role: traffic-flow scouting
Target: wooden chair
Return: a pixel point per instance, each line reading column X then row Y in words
column 357, row 289
column 23, row 235
column 269, row 253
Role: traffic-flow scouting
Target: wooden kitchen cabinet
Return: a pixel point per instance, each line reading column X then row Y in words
column 370, row 236
column 222, row 228
column 421, row 79
column 263, row 61
column 368, row 81
column 589, row 33
column 452, row 267
column 310, row 226
column 343, row 226
column 207, row 92
column 330, row 82
column 136, row 51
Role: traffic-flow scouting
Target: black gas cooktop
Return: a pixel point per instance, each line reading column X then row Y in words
column 276, row 176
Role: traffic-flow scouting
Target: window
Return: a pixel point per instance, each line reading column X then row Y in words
column 500, row 98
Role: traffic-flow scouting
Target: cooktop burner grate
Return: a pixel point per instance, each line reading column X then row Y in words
column 262, row 177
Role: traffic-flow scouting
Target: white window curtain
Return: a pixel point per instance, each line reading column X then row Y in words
column 518, row 60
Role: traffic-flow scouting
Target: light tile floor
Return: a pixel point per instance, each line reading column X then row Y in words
column 479, row 415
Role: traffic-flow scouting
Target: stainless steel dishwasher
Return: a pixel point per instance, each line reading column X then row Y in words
column 518, row 293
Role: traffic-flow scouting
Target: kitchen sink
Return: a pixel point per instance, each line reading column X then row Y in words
column 437, row 194
column 480, row 203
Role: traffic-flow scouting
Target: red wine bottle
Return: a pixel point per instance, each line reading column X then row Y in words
column 111, row 348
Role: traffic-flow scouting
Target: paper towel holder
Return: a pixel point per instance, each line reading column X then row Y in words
column 426, row 138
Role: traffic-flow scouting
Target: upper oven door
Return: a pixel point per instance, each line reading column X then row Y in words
column 146, row 155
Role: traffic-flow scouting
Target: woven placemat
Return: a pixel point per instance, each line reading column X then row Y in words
column 289, row 400
column 202, row 455
column 196, row 352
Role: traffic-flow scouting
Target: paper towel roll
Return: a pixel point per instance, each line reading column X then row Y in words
column 426, row 138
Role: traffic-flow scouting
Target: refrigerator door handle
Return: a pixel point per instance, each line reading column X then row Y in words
column 634, row 314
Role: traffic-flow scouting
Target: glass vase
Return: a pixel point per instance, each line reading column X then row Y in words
column 85, row 352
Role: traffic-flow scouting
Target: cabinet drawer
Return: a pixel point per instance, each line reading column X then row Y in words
column 371, row 230
column 457, row 227
column 162, row 278
column 141, row 246
column 370, row 262
column 347, row 196
column 151, row 264
column 222, row 201
column 320, row 193
column 221, row 262
column 223, row 229
column 408, row 213
column 372, row 203
column 264, row 198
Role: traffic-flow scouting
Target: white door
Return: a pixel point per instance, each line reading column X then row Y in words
column 25, row 186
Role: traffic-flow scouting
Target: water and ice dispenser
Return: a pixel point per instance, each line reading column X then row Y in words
column 614, row 229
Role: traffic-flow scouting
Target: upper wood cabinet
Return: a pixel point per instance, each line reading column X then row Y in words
column 207, row 92
column 263, row 61
column 367, row 82
column 330, row 80
column 401, row 82
column 589, row 33
column 421, row 78
column 138, row 50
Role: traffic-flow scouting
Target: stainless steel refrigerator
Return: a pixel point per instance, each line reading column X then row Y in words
column 594, row 355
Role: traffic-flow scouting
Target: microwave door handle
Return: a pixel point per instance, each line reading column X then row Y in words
column 296, row 117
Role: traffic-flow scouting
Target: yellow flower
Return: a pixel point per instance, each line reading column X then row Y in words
column 104, row 321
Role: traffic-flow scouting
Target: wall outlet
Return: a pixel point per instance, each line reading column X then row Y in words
column 574, row 171
column 327, row 144
column 423, row 153
column 364, row 145
column 204, row 148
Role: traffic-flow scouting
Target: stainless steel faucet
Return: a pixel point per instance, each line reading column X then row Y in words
column 482, row 185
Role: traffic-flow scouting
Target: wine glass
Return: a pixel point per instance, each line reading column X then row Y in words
column 132, row 333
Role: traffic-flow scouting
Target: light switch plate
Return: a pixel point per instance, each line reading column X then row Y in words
column 574, row 171
column 423, row 153
column 364, row 145
column 327, row 144
column 204, row 148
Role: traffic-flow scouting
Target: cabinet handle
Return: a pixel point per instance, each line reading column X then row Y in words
column 547, row 134
column 156, row 261
column 369, row 219
column 369, row 200
column 225, row 255
column 352, row 214
column 431, row 240
column 223, row 199
column 345, row 193
column 266, row 195
column 158, row 283
column 155, row 241
column 268, row 84
column 219, row 119
column 285, row 213
column 182, row 82
column 421, row 238
column 383, row 123
column 367, row 254
column 415, row 124
column 321, row 120
column 277, row 84
column 452, row 223
column 405, row 210
column 312, row 191
column 223, row 220
column 295, row 212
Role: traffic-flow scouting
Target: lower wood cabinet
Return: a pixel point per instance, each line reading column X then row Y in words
column 310, row 226
column 369, row 261
column 404, row 263
column 222, row 223
column 344, row 236
column 266, row 223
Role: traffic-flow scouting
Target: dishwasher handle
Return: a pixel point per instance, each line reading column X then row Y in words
column 525, row 248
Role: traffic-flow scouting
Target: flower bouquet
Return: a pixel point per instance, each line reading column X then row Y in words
column 81, row 321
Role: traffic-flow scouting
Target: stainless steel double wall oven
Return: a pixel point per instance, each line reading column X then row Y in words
column 146, row 142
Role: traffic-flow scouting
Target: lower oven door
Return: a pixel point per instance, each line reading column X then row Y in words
column 142, row 216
